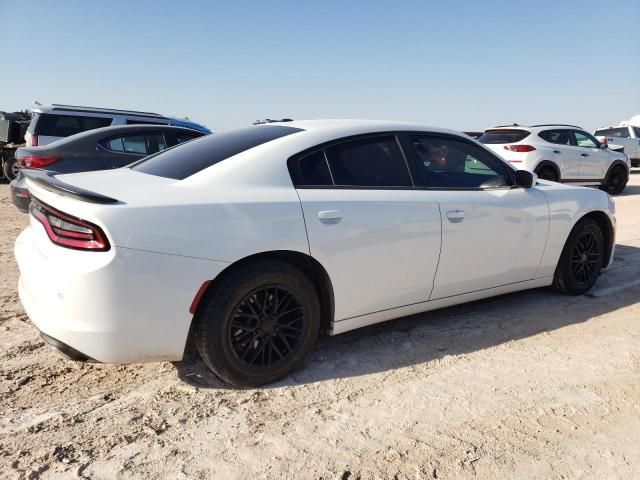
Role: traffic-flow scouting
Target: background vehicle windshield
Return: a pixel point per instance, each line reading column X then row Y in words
column 503, row 136
column 620, row 132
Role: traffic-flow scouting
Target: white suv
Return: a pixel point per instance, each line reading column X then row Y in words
column 561, row 153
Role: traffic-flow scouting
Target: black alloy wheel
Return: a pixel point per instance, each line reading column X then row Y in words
column 584, row 258
column 10, row 168
column 616, row 181
column 267, row 326
column 257, row 323
column 581, row 260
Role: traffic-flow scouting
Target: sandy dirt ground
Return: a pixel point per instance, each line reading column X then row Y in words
column 527, row 385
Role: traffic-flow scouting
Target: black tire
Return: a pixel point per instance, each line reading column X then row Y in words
column 248, row 334
column 581, row 259
column 9, row 168
column 547, row 173
column 616, row 181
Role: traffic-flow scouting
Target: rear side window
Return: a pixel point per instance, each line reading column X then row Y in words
column 54, row 125
column 503, row 136
column 192, row 157
column 637, row 131
column 559, row 137
column 620, row 132
column 370, row 162
column 184, row 137
column 314, row 170
column 137, row 144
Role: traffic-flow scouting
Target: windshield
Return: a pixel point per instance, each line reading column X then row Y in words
column 503, row 136
column 189, row 158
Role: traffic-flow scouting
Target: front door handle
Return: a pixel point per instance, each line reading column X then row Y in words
column 557, row 151
column 455, row 215
column 584, row 154
column 329, row 215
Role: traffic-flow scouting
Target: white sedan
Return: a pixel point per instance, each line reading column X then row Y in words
column 252, row 242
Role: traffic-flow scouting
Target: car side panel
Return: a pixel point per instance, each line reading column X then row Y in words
column 381, row 253
column 567, row 205
column 119, row 306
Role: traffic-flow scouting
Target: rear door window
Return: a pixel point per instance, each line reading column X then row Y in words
column 54, row 125
column 503, row 135
column 192, row 157
column 559, row 137
column 134, row 144
column 137, row 144
column 370, row 162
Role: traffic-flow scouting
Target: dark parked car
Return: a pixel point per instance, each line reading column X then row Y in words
column 98, row 149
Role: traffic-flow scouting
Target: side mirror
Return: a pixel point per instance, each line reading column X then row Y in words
column 525, row 179
column 604, row 146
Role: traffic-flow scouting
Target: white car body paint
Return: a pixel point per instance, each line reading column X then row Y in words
column 388, row 253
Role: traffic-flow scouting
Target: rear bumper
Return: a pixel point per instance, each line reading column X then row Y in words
column 20, row 194
column 69, row 352
column 111, row 307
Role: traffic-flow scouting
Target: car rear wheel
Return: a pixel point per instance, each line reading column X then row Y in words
column 258, row 324
column 10, row 168
column 616, row 181
column 581, row 260
column 547, row 173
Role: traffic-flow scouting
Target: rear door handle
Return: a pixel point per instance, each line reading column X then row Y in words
column 330, row 215
column 455, row 215
column 557, row 151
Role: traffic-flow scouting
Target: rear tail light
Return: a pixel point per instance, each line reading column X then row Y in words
column 67, row 231
column 37, row 161
column 519, row 148
column 34, row 140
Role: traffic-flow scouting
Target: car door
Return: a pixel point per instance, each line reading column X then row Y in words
column 376, row 235
column 563, row 153
column 493, row 233
column 594, row 162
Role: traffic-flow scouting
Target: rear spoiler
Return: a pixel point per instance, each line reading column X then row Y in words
column 48, row 181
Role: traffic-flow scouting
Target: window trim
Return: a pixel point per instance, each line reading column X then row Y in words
column 293, row 163
column 415, row 174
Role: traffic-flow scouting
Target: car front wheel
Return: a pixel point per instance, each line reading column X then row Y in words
column 616, row 181
column 581, row 259
column 258, row 324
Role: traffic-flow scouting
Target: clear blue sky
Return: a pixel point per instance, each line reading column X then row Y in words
column 463, row 65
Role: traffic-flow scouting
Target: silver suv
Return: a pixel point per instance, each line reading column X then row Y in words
column 51, row 123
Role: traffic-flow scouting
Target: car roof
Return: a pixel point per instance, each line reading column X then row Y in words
column 67, row 109
column 346, row 127
column 99, row 133
column 544, row 126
